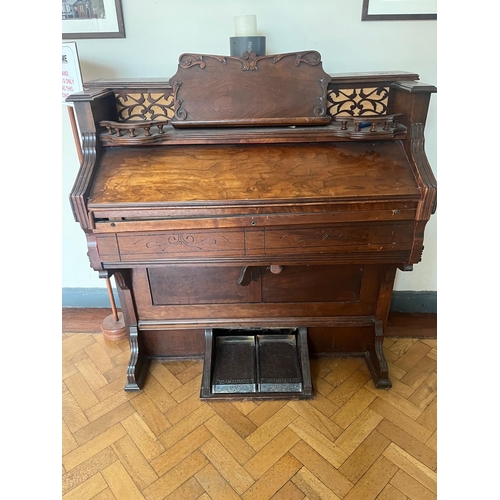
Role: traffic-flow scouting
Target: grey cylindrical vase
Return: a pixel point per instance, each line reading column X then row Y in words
column 241, row 44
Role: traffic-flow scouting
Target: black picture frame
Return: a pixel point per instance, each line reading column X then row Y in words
column 116, row 13
column 366, row 16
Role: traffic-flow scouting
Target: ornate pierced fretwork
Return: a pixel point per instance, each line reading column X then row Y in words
column 137, row 106
column 358, row 101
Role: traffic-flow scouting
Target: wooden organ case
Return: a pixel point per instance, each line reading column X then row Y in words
column 254, row 199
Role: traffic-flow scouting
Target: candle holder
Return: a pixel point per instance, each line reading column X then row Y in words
column 240, row 44
column 246, row 39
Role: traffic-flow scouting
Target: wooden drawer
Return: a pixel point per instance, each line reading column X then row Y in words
column 267, row 242
column 133, row 247
column 338, row 238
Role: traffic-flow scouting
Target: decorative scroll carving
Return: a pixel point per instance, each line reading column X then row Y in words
column 180, row 113
column 311, row 57
column 358, row 101
column 321, row 109
column 187, row 240
column 249, row 60
column 144, row 106
column 226, row 91
column 190, row 60
column 314, row 237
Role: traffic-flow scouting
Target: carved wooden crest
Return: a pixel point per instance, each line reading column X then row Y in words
column 218, row 91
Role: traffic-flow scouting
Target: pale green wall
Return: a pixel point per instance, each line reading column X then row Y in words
column 158, row 31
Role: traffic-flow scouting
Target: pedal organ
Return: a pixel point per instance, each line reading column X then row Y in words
column 254, row 193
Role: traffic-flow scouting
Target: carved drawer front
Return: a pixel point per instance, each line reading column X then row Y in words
column 339, row 238
column 254, row 242
column 172, row 244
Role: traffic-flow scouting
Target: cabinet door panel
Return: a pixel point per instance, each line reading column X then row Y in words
column 178, row 285
column 313, row 284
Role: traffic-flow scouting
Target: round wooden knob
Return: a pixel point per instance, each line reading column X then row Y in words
column 275, row 269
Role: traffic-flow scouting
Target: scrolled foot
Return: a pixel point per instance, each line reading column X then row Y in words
column 375, row 359
column 138, row 364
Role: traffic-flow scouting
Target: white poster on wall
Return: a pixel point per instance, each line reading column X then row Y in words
column 394, row 7
column 71, row 73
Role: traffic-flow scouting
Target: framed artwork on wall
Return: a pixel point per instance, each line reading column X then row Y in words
column 92, row 19
column 398, row 10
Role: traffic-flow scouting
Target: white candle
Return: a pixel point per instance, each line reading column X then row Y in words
column 245, row 25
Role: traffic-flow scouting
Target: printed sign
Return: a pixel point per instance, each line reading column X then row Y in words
column 71, row 74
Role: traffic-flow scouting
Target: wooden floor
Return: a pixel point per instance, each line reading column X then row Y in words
column 352, row 441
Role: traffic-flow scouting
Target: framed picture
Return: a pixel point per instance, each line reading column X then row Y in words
column 92, row 19
column 71, row 73
column 398, row 10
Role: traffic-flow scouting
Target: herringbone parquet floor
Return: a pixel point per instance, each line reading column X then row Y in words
column 351, row 442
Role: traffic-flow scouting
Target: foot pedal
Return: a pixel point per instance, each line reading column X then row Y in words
column 256, row 364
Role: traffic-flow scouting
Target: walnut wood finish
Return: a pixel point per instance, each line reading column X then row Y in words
column 249, row 90
column 343, row 128
column 196, row 225
column 399, row 325
column 229, row 175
